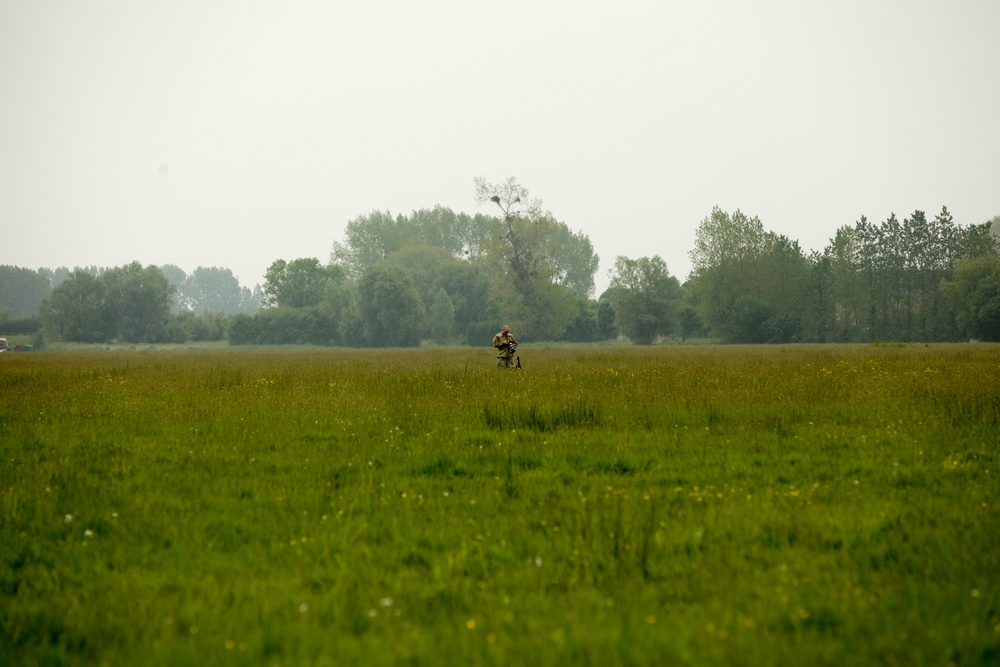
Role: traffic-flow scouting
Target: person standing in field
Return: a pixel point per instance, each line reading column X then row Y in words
column 506, row 344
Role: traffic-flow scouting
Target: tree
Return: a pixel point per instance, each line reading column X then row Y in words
column 137, row 302
column 785, row 284
column 885, row 280
column 723, row 239
column 390, row 308
column 467, row 284
column 645, row 298
column 749, row 284
column 818, row 316
column 215, row 290
column 425, row 266
column 725, row 249
column 176, row 276
column 242, row 329
column 442, row 317
column 458, row 234
column 594, row 322
column 974, row 296
column 847, row 268
column 688, row 323
column 74, row 310
column 186, row 326
column 55, row 276
column 251, row 299
column 524, row 250
column 299, row 283
column 128, row 303
column 22, row 291
column 573, row 257
column 606, row 328
column 370, row 239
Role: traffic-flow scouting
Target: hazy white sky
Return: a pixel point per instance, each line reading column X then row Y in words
column 232, row 134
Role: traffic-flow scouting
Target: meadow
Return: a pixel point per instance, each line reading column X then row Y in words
column 673, row 505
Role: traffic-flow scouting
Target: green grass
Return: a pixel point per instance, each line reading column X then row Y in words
column 799, row 505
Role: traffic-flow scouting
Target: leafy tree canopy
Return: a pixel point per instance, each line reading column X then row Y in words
column 22, row 291
column 974, row 296
column 129, row 303
column 298, row 284
column 645, row 298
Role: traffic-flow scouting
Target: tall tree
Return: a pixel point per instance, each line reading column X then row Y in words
column 176, row 275
column 722, row 238
column 298, row 284
column 441, row 318
column 524, row 248
column 573, row 257
column 22, row 291
column 390, row 308
column 74, row 310
column 886, row 278
column 370, row 239
column 213, row 289
column 646, row 298
column 128, row 303
column 750, row 285
column 137, row 302
column 851, row 295
column 974, row 296
column 458, row 234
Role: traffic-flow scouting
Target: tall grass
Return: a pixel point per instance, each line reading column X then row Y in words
column 604, row 506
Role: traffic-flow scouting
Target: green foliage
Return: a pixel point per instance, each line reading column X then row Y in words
column 22, row 291
column 136, row 304
column 300, row 283
column 187, row 326
column 574, row 259
column 176, row 276
column 283, row 326
column 459, row 234
column 753, row 321
column 886, row 279
column 536, row 308
column 587, row 326
column 872, row 281
column 242, row 329
column 441, row 315
column 688, row 323
column 540, row 267
column 217, row 290
column 370, row 239
column 128, row 303
column 645, row 298
column 794, row 505
column 750, row 285
column 390, row 308
column 75, row 309
column 24, row 325
column 723, row 239
column 525, row 268
column 974, row 296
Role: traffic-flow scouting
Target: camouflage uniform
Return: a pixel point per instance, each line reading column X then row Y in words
column 502, row 341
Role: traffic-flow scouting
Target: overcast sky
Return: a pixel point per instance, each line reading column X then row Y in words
column 232, row 134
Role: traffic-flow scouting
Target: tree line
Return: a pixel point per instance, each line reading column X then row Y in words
column 901, row 280
column 436, row 275
column 453, row 278
column 129, row 303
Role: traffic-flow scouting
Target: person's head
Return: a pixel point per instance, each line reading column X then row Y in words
column 505, row 329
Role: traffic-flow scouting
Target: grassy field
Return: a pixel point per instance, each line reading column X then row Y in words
column 823, row 505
